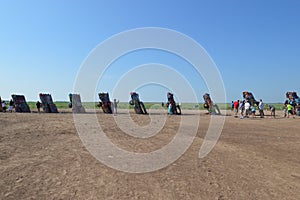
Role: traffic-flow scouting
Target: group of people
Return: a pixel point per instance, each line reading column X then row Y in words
column 290, row 108
column 243, row 108
column 246, row 109
column 10, row 108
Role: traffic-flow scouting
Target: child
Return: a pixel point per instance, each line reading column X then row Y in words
column 290, row 110
column 253, row 110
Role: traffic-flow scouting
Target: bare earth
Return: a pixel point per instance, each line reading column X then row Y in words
column 42, row 157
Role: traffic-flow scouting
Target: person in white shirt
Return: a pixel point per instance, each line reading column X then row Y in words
column 4, row 106
column 261, row 107
column 247, row 108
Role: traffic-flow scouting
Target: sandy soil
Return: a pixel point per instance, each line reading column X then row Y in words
column 42, row 157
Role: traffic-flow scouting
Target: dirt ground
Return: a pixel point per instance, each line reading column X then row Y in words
column 42, row 157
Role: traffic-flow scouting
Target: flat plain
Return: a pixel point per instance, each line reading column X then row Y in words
column 42, row 157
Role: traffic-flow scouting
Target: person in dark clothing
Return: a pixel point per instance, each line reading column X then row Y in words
column 38, row 106
column 11, row 105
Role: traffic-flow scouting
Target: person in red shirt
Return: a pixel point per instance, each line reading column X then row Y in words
column 236, row 105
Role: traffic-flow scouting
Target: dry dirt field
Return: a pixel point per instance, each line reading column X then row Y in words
column 42, row 157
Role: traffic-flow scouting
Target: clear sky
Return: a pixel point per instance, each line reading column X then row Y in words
column 255, row 44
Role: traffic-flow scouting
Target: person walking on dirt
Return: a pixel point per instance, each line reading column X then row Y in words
column 272, row 110
column 38, row 106
column 170, row 112
column 261, row 107
column 285, row 108
column 290, row 110
column 115, row 106
column 236, row 107
column 247, row 108
column 242, row 108
column 253, row 111
column 11, row 105
column 4, row 106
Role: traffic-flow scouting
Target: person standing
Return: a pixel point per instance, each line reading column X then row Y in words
column 115, row 106
column 38, row 106
column 247, row 108
column 294, row 107
column 253, row 111
column 4, row 106
column 236, row 107
column 11, row 105
column 285, row 108
column 232, row 105
column 170, row 112
column 261, row 107
column 242, row 107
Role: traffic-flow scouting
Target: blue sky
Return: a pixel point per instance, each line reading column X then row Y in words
column 255, row 44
